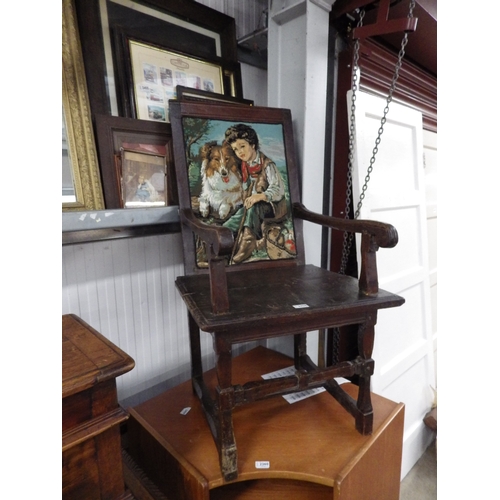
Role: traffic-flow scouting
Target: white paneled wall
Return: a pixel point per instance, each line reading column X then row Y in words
column 125, row 290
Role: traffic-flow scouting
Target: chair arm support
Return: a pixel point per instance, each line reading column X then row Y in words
column 384, row 235
column 219, row 242
column 373, row 235
column 219, row 239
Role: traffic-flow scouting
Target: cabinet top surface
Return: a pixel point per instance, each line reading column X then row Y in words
column 88, row 358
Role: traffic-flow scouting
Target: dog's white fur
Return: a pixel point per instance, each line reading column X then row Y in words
column 222, row 196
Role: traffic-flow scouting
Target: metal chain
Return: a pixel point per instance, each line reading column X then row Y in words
column 348, row 237
column 346, row 245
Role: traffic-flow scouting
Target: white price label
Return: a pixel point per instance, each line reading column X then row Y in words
column 262, row 464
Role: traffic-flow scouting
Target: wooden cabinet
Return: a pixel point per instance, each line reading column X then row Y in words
column 308, row 449
column 91, row 416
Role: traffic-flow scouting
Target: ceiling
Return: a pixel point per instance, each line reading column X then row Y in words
column 422, row 43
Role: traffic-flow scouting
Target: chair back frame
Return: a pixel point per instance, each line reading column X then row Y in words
column 221, row 241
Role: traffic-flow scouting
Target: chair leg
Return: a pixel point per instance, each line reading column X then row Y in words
column 364, row 419
column 195, row 347
column 366, row 337
column 226, row 442
column 300, row 350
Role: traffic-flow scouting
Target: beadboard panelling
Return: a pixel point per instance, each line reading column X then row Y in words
column 125, row 289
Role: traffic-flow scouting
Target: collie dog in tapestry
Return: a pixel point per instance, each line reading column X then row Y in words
column 221, row 191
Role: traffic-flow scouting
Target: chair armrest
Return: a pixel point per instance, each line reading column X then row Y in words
column 384, row 235
column 219, row 242
column 373, row 235
column 219, row 239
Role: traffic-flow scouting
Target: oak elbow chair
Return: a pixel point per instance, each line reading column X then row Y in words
column 245, row 273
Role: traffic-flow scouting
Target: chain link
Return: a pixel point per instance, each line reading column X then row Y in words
column 348, row 237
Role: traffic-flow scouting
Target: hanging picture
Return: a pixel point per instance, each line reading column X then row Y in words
column 156, row 72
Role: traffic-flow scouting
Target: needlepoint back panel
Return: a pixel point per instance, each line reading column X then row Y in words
column 238, row 176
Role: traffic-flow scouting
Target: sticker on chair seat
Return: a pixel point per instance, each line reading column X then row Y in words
column 300, row 306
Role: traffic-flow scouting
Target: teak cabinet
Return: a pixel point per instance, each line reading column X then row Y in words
column 308, row 449
column 91, row 416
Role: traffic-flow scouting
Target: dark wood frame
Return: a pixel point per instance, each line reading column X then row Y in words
column 235, row 114
column 90, row 28
column 188, row 94
column 112, row 132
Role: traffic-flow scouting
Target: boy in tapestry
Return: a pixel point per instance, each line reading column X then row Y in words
column 264, row 192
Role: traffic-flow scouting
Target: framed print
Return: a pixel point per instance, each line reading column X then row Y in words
column 157, row 72
column 234, row 164
column 143, row 179
column 188, row 28
column 116, row 133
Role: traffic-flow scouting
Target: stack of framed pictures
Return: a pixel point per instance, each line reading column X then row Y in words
column 137, row 57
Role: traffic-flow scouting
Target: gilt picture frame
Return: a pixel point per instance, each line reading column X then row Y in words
column 79, row 146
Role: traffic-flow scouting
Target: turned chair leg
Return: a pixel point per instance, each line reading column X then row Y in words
column 366, row 337
column 228, row 453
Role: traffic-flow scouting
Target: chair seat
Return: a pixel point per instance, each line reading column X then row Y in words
column 300, row 297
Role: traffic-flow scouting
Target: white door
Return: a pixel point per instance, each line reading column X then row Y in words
column 430, row 169
column 396, row 194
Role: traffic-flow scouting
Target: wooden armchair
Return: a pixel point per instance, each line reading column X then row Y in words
column 270, row 292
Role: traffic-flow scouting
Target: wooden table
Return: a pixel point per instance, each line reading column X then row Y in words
column 308, row 449
column 91, row 415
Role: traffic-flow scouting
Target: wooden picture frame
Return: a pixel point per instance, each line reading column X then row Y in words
column 185, row 27
column 143, row 179
column 116, row 133
column 184, row 93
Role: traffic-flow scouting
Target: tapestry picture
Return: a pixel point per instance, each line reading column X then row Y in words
column 238, row 179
